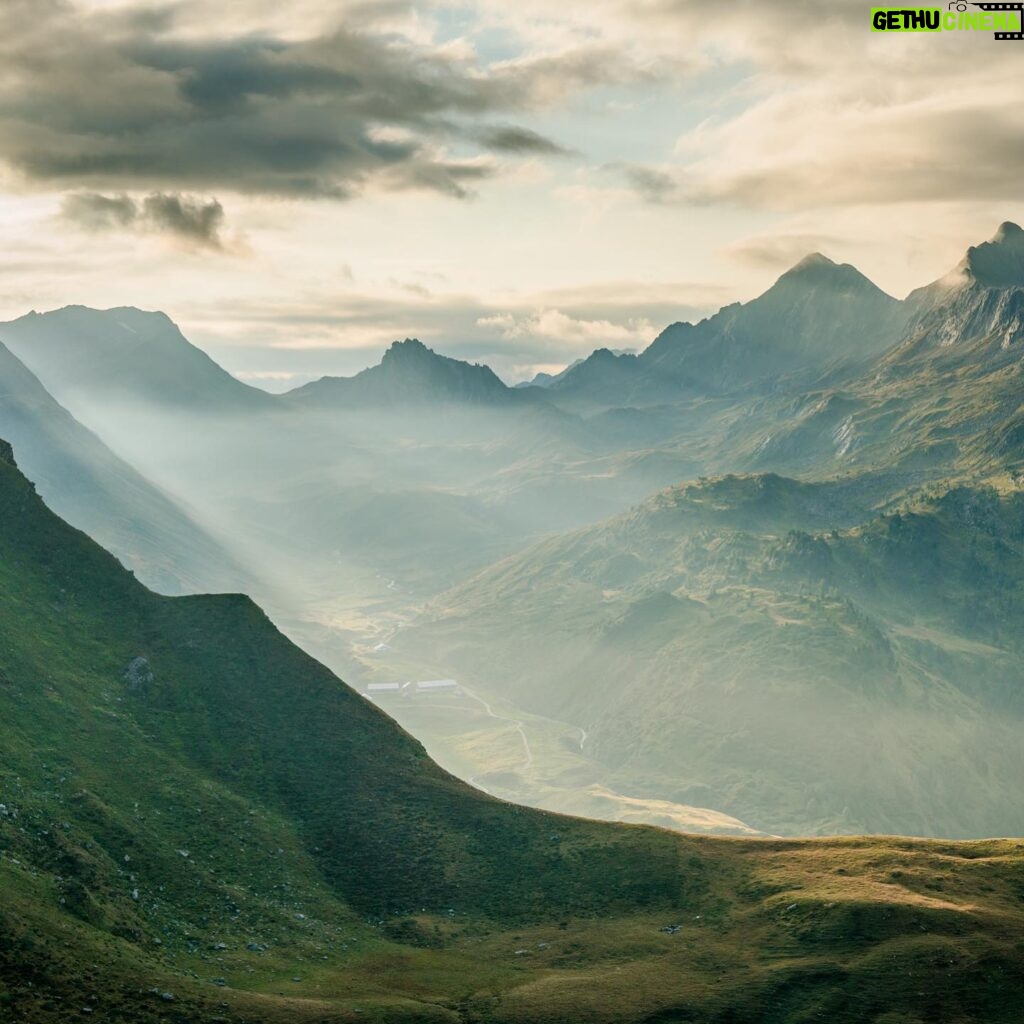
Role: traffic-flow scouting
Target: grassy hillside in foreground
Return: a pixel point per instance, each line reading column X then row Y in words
column 200, row 823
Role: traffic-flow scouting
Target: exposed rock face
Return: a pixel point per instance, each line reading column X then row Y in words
column 981, row 300
column 817, row 317
column 138, row 675
column 998, row 263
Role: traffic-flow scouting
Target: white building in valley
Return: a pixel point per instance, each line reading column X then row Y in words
column 424, row 687
column 436, row 686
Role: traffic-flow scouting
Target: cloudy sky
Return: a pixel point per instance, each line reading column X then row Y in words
column 299, row 183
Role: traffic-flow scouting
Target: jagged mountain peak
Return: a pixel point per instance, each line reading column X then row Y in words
column 1009, row 230
column 606, row 355
column 999, row 262
column 817, row 315
column 409, row 371
column 410, row 348
column 980, row 296
column 412, row 357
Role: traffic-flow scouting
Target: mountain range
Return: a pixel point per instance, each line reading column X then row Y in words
column 819, row 321
column 422, row 519
column 763, row 577
column 782, row 651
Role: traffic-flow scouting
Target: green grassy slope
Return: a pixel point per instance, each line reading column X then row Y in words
column 224, row 832
column 231, row 701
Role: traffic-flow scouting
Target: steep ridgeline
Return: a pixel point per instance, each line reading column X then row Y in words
column 819, row 318
column 87, row 357
column 822, row 374
column 613, row 379
column 200, row 823
column 945, row 401
column 974, row 316
column 151, row 396
column 83, row 481
column 781, row 651
column 819, row 321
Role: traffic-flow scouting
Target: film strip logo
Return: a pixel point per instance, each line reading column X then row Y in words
column 1018, row 7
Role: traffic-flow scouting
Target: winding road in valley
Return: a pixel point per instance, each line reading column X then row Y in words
column 504, row 718
column 387, row 635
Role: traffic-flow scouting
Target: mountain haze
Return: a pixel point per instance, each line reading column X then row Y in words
column 944, row 401
column 781, row 651
column 820, row 319
column 393, row 504
column 82, row 480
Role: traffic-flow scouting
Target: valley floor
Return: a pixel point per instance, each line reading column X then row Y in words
column 537, row 761
column 478, row 735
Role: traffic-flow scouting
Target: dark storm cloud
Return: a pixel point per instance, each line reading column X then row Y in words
column 196, row 221
column 119, row 101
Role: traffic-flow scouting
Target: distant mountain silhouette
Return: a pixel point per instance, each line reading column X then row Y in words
column 817, row 316
column 409, row 372
column 819, row 319
column 124, row 355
